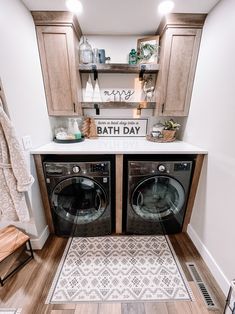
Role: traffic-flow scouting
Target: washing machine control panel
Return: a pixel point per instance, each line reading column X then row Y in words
column 98, row 167
column 182, row 166
column 53, row 170
column 76, row 169
column 161, row 168
column 137, row 168
column 81, row 168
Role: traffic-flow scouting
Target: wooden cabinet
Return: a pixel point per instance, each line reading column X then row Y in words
column 180, row 36
column 58, row 35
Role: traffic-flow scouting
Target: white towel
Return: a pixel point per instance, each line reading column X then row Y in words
column 15, row 178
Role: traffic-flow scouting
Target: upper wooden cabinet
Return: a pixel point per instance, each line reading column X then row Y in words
column 180, row 36
column 58, row 34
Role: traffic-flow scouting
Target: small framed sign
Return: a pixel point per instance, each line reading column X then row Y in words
column 121, row 127
column 148, row 49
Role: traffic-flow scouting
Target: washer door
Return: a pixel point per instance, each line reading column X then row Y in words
column 79, row 200
column 158, row 198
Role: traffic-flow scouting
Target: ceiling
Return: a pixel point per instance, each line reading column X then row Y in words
column 121, row 17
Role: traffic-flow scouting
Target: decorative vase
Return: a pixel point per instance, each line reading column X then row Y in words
column 96, row 94
column 168, row 135
column 89, row 90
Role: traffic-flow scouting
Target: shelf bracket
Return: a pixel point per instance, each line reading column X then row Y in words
column 94, row 70
column 138, row 110
column 97, row 109
column 142, row 71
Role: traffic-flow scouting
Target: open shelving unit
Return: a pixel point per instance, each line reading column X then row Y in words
column 118, row 105
column 119, row 68
column 122, row 68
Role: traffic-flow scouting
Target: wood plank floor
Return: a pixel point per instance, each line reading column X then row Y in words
column 28, row 289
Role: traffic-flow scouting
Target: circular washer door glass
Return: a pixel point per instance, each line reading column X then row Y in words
column 158, row 198
column 79, row 200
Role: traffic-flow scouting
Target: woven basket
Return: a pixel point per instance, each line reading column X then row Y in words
column 168, row 135
column 158, row 140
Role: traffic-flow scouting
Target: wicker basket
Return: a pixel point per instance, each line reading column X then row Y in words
column 158, row 140
column 168, row 135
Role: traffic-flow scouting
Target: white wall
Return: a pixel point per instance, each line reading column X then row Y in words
column 211, row 125
column 116, row 47
column 21, row 76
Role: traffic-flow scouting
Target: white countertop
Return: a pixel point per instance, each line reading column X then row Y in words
column 119, row 145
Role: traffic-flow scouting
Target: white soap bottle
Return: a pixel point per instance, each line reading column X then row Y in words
column 76, row 131
column 70, row 127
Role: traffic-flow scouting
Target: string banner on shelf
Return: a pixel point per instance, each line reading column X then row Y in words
column 119, row 95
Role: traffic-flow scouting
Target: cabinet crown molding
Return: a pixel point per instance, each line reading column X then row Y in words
column 182, row 20
column 57, row 18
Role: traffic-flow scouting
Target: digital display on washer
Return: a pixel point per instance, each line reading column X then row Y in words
column 182, row 166
column 101, row 167
column 54, row 170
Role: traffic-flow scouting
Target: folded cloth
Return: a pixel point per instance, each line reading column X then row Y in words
column 15, row 178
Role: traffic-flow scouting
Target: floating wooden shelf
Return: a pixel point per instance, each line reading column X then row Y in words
column 119, row 68
column 119, row 105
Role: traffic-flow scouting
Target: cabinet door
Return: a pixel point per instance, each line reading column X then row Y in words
column 177, row 66
column 57, row 53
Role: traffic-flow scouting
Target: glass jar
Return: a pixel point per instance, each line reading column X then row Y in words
column 133, row 57
column 157, row 130
column 85, row 52
column 96, row 57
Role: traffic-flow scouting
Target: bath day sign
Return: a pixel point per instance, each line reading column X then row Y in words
column 121, row 127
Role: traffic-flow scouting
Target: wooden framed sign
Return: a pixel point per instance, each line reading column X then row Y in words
column 121, row 127
column 148, row 49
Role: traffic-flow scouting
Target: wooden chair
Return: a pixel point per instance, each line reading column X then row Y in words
column 12, row 239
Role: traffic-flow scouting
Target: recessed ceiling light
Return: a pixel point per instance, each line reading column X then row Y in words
column 74, row 6
column 166, row 7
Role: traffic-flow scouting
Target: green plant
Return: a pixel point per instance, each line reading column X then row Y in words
column 146, row 51
column 171, row 125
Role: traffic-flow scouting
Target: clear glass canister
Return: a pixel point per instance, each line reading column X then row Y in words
column 85, row 52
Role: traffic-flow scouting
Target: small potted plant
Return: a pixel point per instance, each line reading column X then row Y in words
column 170, row 128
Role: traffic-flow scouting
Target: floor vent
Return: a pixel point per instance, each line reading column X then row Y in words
column 201, row 286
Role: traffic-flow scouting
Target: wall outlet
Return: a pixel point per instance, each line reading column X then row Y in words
column 27, row 143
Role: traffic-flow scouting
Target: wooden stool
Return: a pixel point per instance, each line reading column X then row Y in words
column 11, row 239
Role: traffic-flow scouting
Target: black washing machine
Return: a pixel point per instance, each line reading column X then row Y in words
column 80, row 192
column 156, row 196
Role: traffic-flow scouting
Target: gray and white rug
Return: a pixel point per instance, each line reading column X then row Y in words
column 10, row 311
column 119, row 268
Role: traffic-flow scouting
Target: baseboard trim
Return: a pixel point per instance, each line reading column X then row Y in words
column 218, row 274
column 38, row 243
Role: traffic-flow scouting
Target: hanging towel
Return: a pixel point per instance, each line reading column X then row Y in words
column 15, row 178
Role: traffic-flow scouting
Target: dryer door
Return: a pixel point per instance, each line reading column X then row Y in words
column 158, row 198
column 79, row 200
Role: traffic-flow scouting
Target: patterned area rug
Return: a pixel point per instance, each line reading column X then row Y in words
column 119, row 268
column 10, row 311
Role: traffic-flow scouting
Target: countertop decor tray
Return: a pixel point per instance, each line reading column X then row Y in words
column 69, row 141
column 158, row 140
